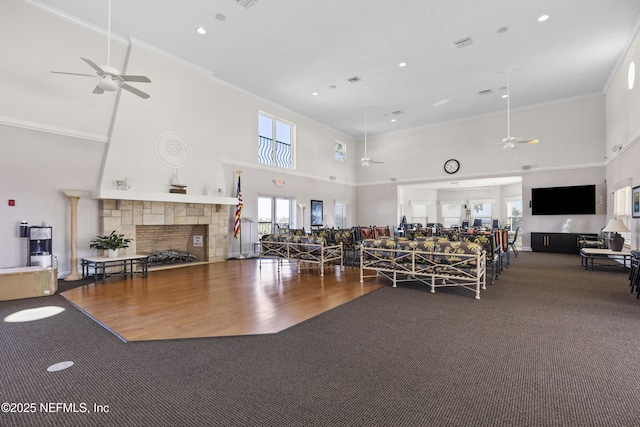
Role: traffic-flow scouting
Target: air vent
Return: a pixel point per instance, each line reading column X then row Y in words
column 354, row 79
column 485, row 92
column 463, row 42
column 246, row 3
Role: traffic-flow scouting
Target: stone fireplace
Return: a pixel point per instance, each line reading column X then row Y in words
column 174, row 224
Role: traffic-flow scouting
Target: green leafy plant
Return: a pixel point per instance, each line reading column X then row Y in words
column 112, row 241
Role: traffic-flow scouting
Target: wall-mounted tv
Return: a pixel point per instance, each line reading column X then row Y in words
column 574, row 200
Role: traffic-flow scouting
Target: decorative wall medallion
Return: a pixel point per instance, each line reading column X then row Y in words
column 173, row 150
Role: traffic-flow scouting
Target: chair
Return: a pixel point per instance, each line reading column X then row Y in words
column 477, row 222
column 591, row 241
column 512, row 242
column 634, row 273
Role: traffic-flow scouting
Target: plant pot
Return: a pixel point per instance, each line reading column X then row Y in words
column 112, row 253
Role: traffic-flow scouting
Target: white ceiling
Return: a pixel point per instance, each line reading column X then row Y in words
column 284, row 50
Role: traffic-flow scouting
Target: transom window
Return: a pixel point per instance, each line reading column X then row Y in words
column 275, row 141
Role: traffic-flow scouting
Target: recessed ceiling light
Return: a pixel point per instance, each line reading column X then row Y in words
column 505, row 96
column 220, row 17
column 543, row 18
column 332, row 87
column 402, row 64
column 502, row 30
column 201, row 30
column 393, row 120
column 314, row 93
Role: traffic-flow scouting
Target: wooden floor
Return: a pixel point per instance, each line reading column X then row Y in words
column 235, row 297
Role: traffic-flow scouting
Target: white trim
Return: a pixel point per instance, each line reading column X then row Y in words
column 40, row 127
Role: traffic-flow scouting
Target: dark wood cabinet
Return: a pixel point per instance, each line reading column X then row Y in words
column 565, row 243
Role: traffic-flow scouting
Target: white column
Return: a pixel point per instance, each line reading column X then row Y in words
column 73, row 196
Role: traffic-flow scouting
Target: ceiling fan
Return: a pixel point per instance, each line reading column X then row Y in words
column 509, row 143
column 366, row 160
column 109, row 78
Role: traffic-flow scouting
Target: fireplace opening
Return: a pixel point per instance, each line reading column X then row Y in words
column 172, row 244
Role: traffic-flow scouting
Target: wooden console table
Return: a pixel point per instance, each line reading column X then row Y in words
column 589, row 254
column 126, row 263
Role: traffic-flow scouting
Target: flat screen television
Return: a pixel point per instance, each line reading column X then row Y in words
column 573, row 200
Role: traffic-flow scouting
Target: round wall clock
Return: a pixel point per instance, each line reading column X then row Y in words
column 451, row 166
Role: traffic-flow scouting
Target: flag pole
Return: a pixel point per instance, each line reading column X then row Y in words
column 238, row 219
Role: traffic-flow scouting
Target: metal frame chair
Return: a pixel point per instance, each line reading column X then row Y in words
column 512, row 242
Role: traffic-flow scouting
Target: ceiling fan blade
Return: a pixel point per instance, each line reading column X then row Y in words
column 93, row 65
column 139, row 79
column 73, row 74
column 98, row 90
column 135, row 91
column 525, row 141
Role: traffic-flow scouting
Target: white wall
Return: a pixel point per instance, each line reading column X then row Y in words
column 623, row 128
column 571, row 134
column 34, row 168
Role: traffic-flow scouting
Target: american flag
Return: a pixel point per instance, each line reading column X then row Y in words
column 236, row 224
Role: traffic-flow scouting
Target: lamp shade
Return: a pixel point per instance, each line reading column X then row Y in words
column 615, row 226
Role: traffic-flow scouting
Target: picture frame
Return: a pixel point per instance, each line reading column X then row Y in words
column 316, row 213
column 635, row 202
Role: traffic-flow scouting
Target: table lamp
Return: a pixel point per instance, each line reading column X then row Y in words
column 614, row 228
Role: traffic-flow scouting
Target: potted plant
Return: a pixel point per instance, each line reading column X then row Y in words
column 110, row 243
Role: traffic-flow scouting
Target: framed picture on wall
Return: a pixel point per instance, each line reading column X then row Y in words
column 316, row 213
column 635, row 202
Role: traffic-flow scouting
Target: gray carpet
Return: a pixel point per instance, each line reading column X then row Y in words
column 549, row 344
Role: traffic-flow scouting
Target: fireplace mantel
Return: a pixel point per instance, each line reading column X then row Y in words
column 161, row 197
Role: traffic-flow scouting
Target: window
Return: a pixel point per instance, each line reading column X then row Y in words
column 341, row 151
column 273, row 213
column 419, row 213
column 622, row 210
column 341, row 215
column 481, row 210
column 514, row 214
column 275, row 142
column 451, row 213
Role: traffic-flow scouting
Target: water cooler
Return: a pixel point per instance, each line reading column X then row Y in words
column 40, row 246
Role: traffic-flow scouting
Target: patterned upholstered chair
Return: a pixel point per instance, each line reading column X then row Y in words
column 347, row 236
